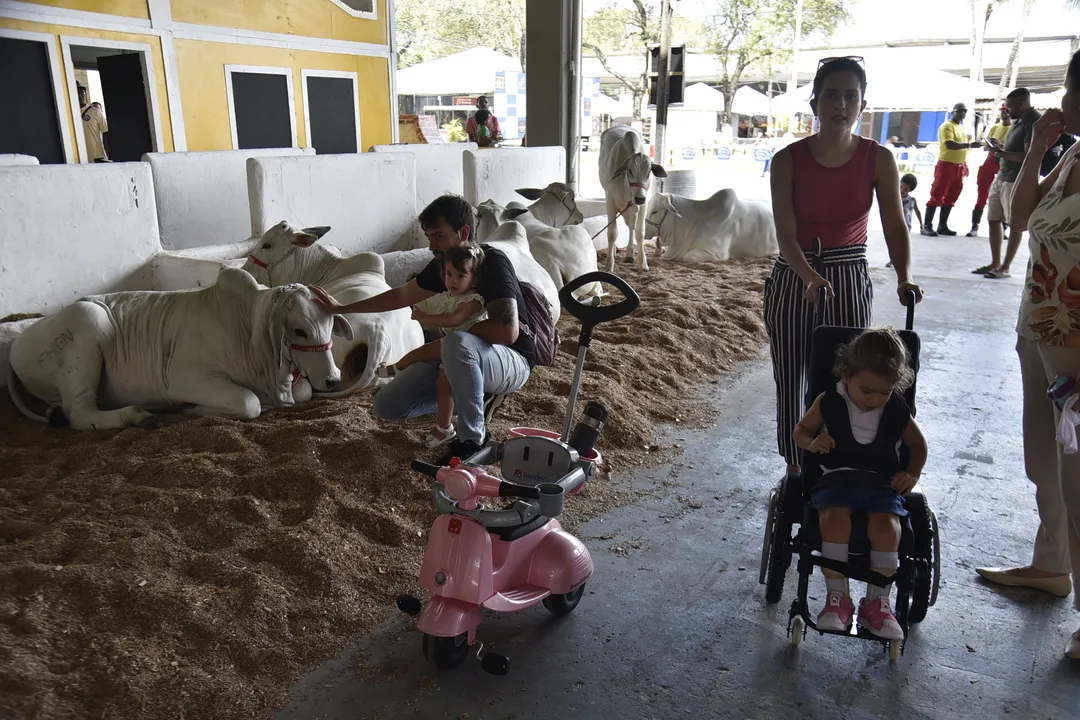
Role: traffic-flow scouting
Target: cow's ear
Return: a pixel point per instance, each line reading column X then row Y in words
column 342, row 328
column 671, row 206
column 659, row 171
column 530, row 193
column 309, row 236
column 511, row 213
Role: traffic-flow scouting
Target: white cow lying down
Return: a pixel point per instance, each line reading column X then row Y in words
column 230, row 349
column 718, row 228
column 287, row 254
column 625, row 173
column 510, row 237
column 565, row 252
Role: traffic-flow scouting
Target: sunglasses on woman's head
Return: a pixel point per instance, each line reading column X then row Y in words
column 854, row 58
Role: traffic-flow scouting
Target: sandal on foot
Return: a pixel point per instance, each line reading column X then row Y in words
column 997, row 274
column 983, row 270
column 440, row 436
column 387, row 371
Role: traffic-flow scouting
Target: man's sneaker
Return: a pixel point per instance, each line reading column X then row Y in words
column 462, row 449
column 836, row 615
column 876, row 616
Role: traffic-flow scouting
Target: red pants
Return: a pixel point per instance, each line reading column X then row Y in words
column 987, row 171
column 948, row 182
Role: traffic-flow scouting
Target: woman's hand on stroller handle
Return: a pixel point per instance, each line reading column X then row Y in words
column 906, row 289
column 818, row 288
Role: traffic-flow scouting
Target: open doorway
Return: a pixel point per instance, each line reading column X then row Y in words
column 115, row 99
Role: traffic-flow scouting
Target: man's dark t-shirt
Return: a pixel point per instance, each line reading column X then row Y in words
column 498, row 281
column 1019, row 137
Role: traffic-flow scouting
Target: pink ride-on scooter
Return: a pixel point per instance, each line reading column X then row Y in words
column 513, row 558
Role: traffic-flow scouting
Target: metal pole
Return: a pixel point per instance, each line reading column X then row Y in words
column 660, row 131
column 793, row 84
column 573, row 147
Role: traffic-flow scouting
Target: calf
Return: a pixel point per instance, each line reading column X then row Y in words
column 625, row 171
column 719, row 228
column 230, row 349
column 287, row 254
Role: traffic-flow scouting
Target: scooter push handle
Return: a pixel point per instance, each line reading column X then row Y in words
column 910, row 299
column 426, row 468
column 591, row 316
column 508, row 489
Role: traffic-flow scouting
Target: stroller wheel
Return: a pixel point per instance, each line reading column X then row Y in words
column 779, row 556
column 798, row 630
column 925, row 532
column 895, row 647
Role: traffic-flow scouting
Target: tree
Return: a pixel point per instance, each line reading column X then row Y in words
column 1008, row 75
column 757, row 33
column 616, row 28
column 431, row 29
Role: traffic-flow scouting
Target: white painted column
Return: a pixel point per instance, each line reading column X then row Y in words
column 161, row 20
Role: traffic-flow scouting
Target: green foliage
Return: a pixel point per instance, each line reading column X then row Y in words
column 430, row 29
column 457, row 132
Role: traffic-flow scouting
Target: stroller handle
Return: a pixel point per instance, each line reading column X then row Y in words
column 591, row 316
column 910, row 300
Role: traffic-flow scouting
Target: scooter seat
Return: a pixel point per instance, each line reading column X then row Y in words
column 519, row 531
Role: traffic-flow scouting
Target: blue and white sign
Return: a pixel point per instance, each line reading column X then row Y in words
column 689, row 153
column 763, row 154
column 723, row 153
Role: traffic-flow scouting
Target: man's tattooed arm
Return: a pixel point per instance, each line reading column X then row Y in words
column 501, row 327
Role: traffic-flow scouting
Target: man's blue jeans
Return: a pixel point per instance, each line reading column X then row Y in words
column 473, row 367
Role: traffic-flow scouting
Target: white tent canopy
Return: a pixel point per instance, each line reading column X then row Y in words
column 748, row 101
column 465, row 73
column 605, row 105
column 700, row 96
column 793, row 102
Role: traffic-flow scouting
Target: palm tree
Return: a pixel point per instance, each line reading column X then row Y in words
column 1008, row 75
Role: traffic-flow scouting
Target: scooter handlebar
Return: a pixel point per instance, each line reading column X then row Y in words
column 426, row 468
column 590, row 315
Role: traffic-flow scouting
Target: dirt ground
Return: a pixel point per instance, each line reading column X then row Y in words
column 197, row 569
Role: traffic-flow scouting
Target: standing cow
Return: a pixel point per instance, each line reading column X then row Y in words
column 625, row 172
column 230, row 349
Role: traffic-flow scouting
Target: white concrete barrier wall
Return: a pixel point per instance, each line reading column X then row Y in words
column 202, row 197
column 494, row 174
column 439, row 170
column 6, row 160
column 367, row 199
column 73, row 230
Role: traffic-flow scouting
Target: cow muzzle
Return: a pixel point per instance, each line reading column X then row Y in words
column 639, row 199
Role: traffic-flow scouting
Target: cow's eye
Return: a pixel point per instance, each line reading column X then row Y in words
column 266, row 246
column 301, row 334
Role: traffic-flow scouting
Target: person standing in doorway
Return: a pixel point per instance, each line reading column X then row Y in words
column 995, row 137
column 493, row 122
column 949, row 173
column 823, row 188
column 1010, row 156
column 94, row 126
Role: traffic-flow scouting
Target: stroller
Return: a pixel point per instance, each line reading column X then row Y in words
column 918, row 577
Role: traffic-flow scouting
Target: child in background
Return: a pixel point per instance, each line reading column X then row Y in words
column 457, row 309
column 856, row 428
column 484, row 136
column 908, row 183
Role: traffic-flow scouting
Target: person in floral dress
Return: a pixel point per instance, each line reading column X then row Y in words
column 1048, row 345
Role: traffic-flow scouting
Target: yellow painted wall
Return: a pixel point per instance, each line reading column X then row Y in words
column 74, row 118
column 312, row 18
column 201, row 68
column 127, row 8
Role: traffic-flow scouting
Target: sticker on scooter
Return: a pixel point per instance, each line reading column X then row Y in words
column 454, row 526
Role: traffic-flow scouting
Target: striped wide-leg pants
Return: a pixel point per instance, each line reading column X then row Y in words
column 789, row 320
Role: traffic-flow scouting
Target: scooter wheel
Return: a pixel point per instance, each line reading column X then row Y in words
column 446, row 653
column 565, row 604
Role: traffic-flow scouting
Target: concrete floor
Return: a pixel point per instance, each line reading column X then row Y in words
column 678, row 627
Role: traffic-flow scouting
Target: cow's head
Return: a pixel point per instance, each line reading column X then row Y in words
column 555, row 205
column 660, row 210
column 489, row 215
column 278, row 244
column 637, row 172
column 303, row 331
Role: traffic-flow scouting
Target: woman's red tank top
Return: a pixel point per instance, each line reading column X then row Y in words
column 833, row 203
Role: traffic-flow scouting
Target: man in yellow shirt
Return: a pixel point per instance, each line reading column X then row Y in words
column 995, row 137
column 94, row 126
column 949, row 172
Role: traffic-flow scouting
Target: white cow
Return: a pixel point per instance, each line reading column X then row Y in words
column 511, row 239
column 556, row 205
column 625, row 172
column 719, row 228
column 565, row 252
column 230, row 349
column 287, row 254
